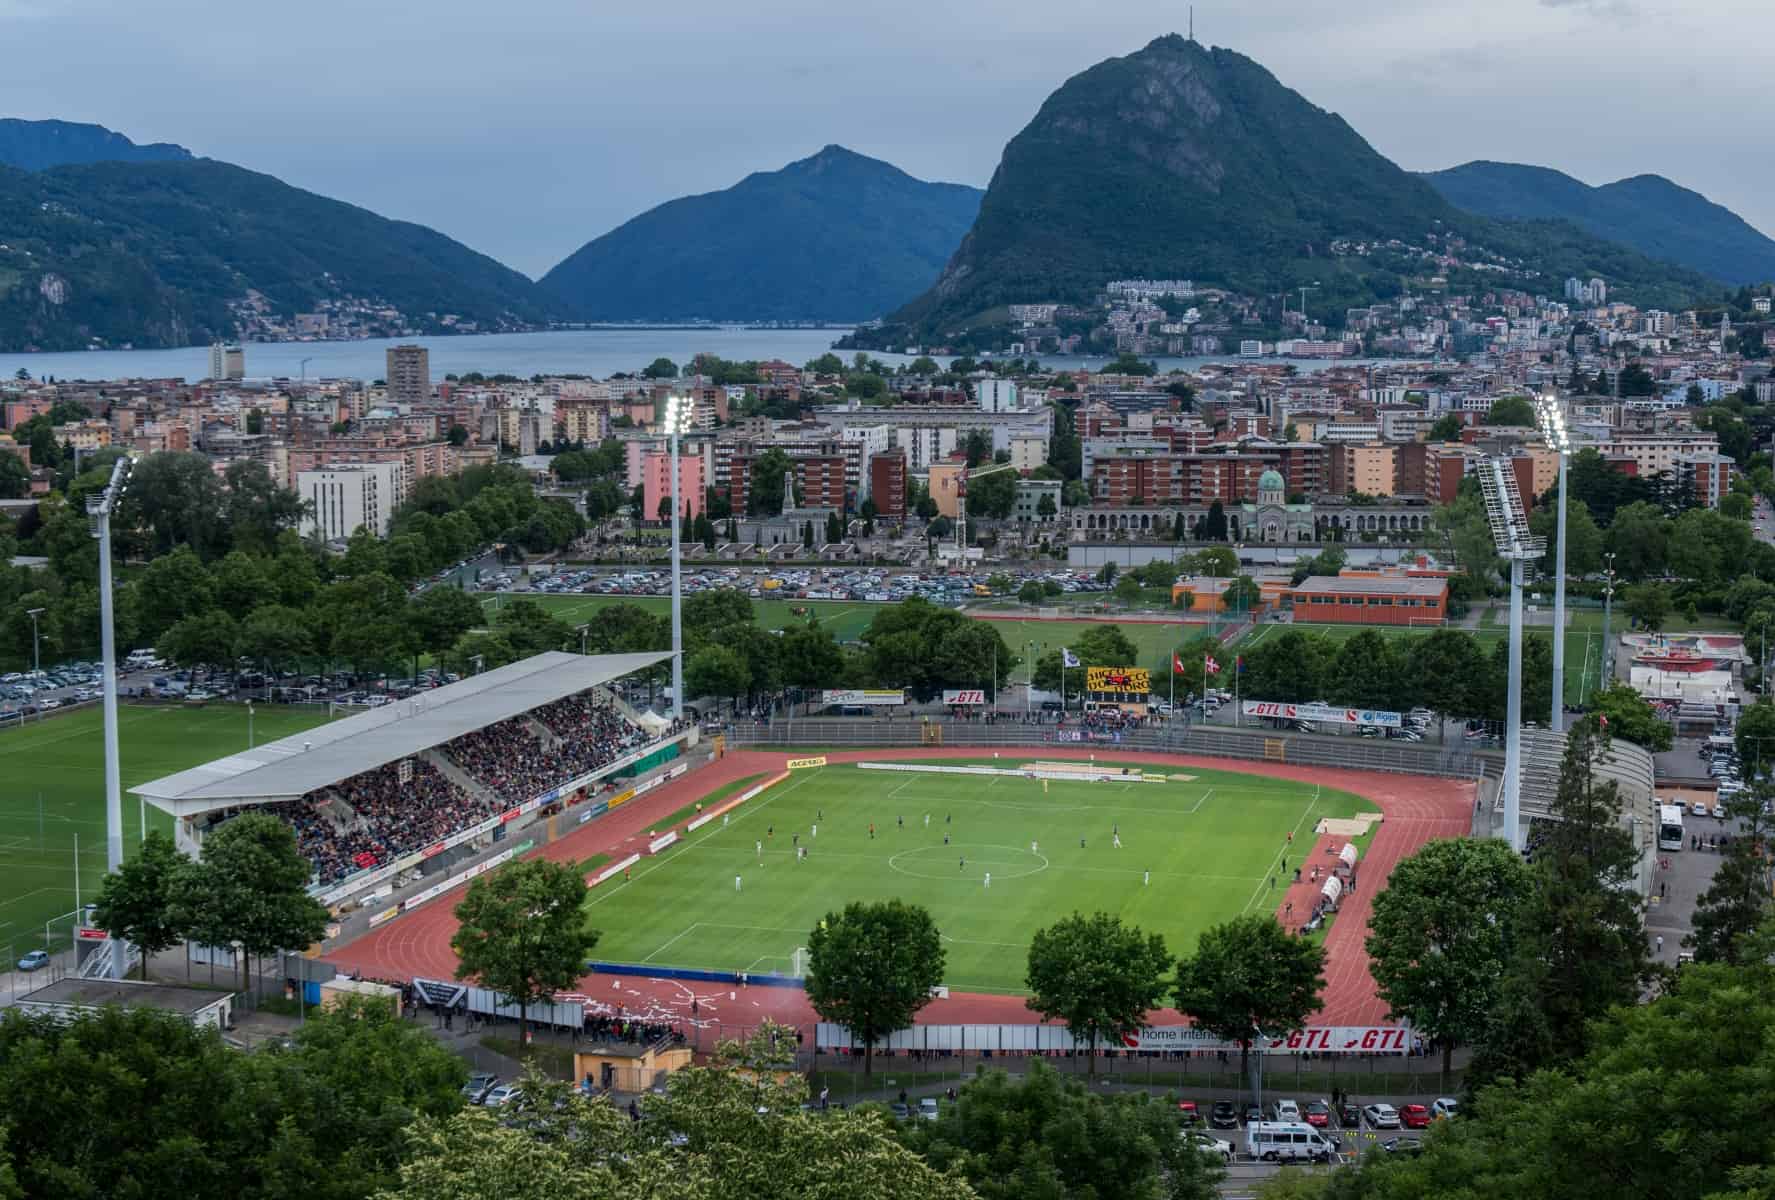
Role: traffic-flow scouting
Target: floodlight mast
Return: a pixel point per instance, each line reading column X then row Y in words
column 99, row 510
column 676, row 414
column 1510, row 533
column 1554, row 431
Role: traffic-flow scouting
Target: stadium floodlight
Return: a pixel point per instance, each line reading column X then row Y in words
column 99, row 511
column 1510, row 532
column 36, row 658
column 678, row 410
column 1553, row 429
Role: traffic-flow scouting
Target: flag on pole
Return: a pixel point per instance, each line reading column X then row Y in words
column 1177, row 667
column 1068, row 658
column 1238, row 664
column 1210, row 666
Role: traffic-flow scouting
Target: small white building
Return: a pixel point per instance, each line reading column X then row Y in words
column 71, row 997
column 996, row 395
column 347, row 496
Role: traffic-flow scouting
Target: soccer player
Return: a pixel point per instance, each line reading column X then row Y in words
column 900, row 821
column 872, row 831
column 1116, row 838
column 816, row 832
column 1146, row 877
column 927, row 820
column 1081, row 843
column 759, row 847
column 1032, row 848
column 736, row 883
column 963, row 864
column 989, row 879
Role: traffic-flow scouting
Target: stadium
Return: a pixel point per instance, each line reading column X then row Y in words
column 711, row 857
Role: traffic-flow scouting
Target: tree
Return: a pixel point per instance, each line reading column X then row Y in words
column 1041, row 1134
column 1441, row 933
column 174, row 498
column 1128, row 589
column 1581, row 946
column 1583, row 553
column 15, row 476
column 993, row 495
column 136, row 902
column 1242, row 595
column 441, row 615
column 174, row 586
column 1030, row 593
column 1044, row 507
column 1630, row 718
column 1097, row 975
column 1754, row 736
column 716, row 671
column 1219, row 562
column 523, row 933
column 660, row 368
column 1648, row 604
column 1737, row 902
column 1446, row 428
column 276, row 637
column 1639, row 537
column 1214, row 527
column 764, row 493
column 457, row 435
column 1250, row 977
column 251, row 887
column 809, row 658
column 209, row 640
column 256, row 508
column 871, row 968
column 1511, row 410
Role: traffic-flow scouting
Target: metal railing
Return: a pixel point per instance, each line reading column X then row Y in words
column 1299, row 749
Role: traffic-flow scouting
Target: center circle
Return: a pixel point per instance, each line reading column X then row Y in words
column 945, row 862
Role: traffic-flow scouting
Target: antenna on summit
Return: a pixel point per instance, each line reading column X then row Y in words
column 1192, row 22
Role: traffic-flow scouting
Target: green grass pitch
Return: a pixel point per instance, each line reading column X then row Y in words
column 1212, row 843
column 52, row 791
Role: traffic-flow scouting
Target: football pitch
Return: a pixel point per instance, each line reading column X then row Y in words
column 1195, row 850
column 52, row 796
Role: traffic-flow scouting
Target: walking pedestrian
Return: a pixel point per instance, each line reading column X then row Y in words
column 1660, row 943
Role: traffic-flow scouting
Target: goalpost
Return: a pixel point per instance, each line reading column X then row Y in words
column 798, row 963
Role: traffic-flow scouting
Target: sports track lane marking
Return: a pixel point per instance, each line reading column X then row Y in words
column 597, row 900
column 1271, row 870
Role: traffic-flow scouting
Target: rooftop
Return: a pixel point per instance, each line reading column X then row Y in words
column 96, row 993
column 1338, row 585
column 301, row 763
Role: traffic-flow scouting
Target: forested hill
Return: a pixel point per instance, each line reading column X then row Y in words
column 36, row 145
column 834, row 237
column 1647, row 212
column 155, row 253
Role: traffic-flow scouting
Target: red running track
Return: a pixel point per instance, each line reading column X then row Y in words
column 1417, row 809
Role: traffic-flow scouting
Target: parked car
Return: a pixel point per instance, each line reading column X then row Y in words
column 901, row 1112
column 1188, row 1113
column 1211, row 1145
column 477, row 1087
column 1446, row 1107
column 505, row 1093
column 1252, row 1113
column 1224, row 1115
column 1414, row 1116
column 927, row 1108
column 1381, row 1116
column 1318, row 1114
column 1349, row 1115
column 1284, row 1110
column 36, row 960
column 1402, row 1146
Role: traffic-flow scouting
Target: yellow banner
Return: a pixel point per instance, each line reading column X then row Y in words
column 1118, row 679
column 622, row 798
column 796, row 764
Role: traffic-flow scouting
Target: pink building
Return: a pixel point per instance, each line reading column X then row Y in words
column 656, row 484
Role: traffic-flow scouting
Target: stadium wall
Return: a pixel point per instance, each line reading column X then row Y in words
column 1044, row 1039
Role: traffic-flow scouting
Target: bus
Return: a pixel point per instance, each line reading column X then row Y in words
column 1670, row 827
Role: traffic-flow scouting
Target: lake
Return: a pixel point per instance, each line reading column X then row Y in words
column 595, row 352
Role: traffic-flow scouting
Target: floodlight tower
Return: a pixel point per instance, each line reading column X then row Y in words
column 1554, row 431
column 1510, row 532
column 99, row 510
column 677, row 413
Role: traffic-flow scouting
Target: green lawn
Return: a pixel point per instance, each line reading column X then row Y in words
column 1211, row 843
column 52, row 791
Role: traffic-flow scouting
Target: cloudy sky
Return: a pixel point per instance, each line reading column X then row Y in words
column 525, row 128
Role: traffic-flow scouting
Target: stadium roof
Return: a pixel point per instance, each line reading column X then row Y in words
column 293, row 766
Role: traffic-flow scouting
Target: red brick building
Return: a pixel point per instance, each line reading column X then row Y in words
column 1346, row 600
column 887, row 483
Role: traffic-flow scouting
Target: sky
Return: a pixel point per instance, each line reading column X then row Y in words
column 528, row 127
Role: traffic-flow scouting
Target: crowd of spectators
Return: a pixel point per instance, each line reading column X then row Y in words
column 389, row 818
column 512, row 761
column 624, row 1029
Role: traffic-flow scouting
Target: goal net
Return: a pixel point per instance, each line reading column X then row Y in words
column 798, row 963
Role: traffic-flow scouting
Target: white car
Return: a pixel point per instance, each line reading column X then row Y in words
column 1210, row 1145
column 505, row 1093
column 1381, row 1116
column 1285, row 1110
column 1446, row 1106
column 1698, row 809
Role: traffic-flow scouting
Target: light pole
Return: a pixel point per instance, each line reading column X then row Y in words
column 581, row 630
column 1608, row 594
column 99, row 510
column 249, row 724
column 677, row 411
column 1553, row 429
column 1029, row 687
column 36, row 660
column 1510, row 533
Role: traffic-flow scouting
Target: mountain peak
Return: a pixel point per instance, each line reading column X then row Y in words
column 40, row 145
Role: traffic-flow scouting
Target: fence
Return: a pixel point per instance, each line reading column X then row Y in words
column 1360, row 754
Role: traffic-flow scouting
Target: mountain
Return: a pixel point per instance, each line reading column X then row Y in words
column 1647, row 212
column 834, row 237
column 179, row 252
column 34, row 145
column 1180, row 161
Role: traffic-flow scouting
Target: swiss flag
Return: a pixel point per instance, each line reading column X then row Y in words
column 1210, row 666
column 1177, row 664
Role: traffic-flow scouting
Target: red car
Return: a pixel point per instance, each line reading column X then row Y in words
column 1414, row 1116
column 1318, row 1114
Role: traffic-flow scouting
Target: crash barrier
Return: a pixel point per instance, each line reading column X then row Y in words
column 662, row 841
column 727, row 806
column 457, row 880
column 1034, row 771
column 615, row 868
column 738, row 978
column 1042, row 1039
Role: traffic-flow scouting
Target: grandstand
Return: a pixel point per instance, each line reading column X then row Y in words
column 416, row 784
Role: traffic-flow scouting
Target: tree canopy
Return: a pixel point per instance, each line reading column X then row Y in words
column 1099, row 976
column 871, row 967
column 522, row 932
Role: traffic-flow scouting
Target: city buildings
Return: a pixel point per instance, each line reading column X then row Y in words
column 408, row 374
column 345, row 497
column 227, row 362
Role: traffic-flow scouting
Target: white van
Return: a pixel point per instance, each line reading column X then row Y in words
column 1284, row 1141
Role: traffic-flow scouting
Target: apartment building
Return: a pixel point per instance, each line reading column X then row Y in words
column 348, row 496
column 887, row 483
column 417, row 460
column 1653, row 453
column 1370, row 468
column 656, row 485
column 820, row 476
column 1707, row 477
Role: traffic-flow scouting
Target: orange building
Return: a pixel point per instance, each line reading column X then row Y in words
column 1355, row 600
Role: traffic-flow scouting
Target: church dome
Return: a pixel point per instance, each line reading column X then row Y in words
column 1270, row 481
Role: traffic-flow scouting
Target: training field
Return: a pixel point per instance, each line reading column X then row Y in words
column 52, row 791
column 1212, row 840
